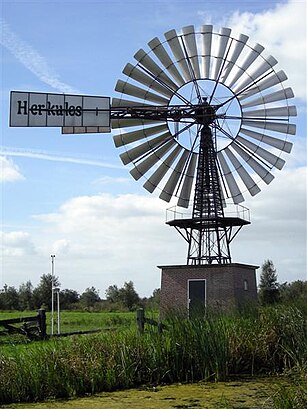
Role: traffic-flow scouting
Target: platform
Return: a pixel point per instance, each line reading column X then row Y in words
column 200, row 223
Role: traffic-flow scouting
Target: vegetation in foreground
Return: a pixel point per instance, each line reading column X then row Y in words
column 262, row 341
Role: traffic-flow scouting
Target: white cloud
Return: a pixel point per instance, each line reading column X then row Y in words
column 282, row 31
column 111, row 239
column 9, row 171
column 31, row 59
column 278, row 228
column 16, row 244
column 61, row 246
column 105, row 239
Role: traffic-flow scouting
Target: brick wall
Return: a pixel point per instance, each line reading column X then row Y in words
column 226, row 285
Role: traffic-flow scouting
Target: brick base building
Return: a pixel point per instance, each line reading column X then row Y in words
column 214, row 285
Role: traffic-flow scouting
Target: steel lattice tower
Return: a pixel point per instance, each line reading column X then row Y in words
column 208, row 239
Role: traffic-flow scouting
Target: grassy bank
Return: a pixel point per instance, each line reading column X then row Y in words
column 267, row 341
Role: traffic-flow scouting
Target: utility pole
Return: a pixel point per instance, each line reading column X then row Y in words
column 56, row 290
column 52, row 293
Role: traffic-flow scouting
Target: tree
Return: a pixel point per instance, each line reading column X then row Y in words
column 268, row 287
column 9, row 299
column 113, row 293
column 25, row 293
column 295, row 292
column 128, row 296
column 90, row 297
column 154, row 299
column 42, row 293
column 68, row 298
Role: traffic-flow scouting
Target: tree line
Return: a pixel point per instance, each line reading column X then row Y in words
column 270, row 291
column 28, row 297
column 126, row 298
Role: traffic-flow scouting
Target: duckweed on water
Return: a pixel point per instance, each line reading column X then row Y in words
column 249, row 394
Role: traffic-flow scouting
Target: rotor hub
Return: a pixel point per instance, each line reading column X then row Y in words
column 205, row 114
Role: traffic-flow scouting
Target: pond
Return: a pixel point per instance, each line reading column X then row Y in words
column 247, row 393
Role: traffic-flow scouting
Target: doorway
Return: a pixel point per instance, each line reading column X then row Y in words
column 196, row 297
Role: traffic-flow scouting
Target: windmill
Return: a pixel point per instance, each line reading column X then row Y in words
column 203, row 116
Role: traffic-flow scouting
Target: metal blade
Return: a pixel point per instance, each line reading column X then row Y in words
column 266, row 99
column 129, row 89
column 266, row 155
column 265, row 66
column 222, row 194
column 268, row 112
column 235, row 192
column 144, row 166
column 259, row 169
column 238, row 47
column 249, row 59
column 129, row 137
column 165, row 59
column 223, row 41
column 268, row 82
column 173, row 41
column 190, row 43
column 252, row 187
column 206, row 44
column 268, row 140
column 139, row 76
column 272, row 126
column 143, row 58
column 161, row 171
column 119, row 102
column 170, row 185
column 145, row 147
column 185, row 193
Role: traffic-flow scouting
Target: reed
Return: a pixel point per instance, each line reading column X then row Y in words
column 294, row 395
column 265, row 341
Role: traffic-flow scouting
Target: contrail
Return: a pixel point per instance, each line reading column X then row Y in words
column 31, row 59
column 30, row 153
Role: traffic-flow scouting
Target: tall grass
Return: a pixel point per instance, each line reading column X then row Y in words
column 262, row 342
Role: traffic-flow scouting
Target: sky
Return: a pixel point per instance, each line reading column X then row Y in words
column 71, row 196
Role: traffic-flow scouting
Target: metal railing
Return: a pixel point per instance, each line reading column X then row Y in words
column 231, row 210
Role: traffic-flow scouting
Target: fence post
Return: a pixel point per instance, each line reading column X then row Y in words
column 41, row 318
column 140, row 319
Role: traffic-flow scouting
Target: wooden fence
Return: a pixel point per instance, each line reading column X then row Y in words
column 142, row 320
column 32, row 327
column 35, row 327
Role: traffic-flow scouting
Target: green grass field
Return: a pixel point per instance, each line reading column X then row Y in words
column 79, row 320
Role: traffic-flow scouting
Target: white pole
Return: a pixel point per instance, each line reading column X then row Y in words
column 58, row 298
column 52, row 293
